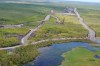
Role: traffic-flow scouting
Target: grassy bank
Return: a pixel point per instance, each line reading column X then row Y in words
column 80, row 57
column 27, row 53
column 31, row 15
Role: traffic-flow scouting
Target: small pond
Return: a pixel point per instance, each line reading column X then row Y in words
column 51, row 56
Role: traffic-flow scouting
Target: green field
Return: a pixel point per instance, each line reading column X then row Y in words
column 10, row 36
column 92, row 18
column 27, row 14
column 70, row 29
column 20, row 13
column 80, row 57
column 31, row 15
column 26, row 54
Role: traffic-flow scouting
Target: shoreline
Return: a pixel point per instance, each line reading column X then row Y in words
column 49, row 43
column 53, row 40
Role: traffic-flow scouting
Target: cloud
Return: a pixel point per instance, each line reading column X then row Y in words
column 34, row 0
column 51, row 0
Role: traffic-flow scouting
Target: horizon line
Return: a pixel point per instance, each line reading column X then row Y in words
column 46, row 1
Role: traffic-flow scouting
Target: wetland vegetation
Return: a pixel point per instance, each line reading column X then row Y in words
column 80, row 57
column 91, row 16
column 31, row 15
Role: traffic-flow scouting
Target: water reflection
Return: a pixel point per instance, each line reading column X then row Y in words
column 51, row 56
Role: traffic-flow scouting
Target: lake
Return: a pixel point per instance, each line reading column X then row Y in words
column 52, row 55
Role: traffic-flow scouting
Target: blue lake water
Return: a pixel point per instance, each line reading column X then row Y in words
column 51, row 56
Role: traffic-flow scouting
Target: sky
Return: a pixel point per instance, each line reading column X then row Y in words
column 87, row 0
column 54, row 0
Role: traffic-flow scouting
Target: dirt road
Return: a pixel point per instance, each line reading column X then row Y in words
column 57, row 19
column 24, row 40
column 91, row 32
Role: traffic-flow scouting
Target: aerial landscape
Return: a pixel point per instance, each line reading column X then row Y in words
column 49, row 33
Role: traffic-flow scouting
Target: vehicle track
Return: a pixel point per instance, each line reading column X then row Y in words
column 57, row 19
column 91, row 32
column 24, row 40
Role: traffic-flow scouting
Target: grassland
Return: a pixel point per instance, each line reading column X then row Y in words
column 19, row 13
column 27, row 53
column 73, row 26
column 90, row 12
column 30, row 15
column 27, row 14
column 70, row 29
column 92, row 18
column 11, row 36
column 80, row 57
column 19, row 56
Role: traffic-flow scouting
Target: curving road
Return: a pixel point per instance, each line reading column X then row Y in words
column 33, row 31
column 56, row 39
column 91, row 34
column 24, row 40
column 57, row 19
